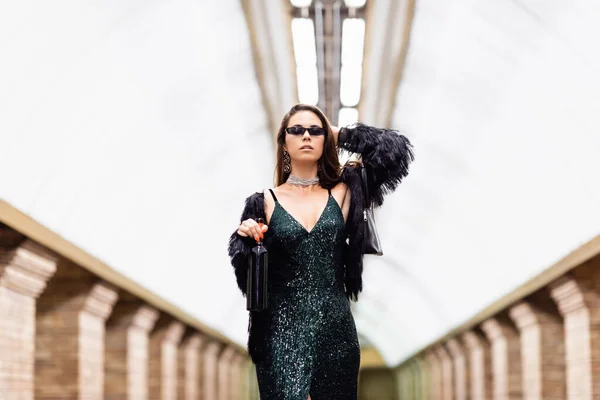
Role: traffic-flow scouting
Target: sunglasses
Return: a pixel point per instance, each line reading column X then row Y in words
column 299, row 130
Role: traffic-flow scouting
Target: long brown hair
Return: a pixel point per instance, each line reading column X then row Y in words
column 329, row 163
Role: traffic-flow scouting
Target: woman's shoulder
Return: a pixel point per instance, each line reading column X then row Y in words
column 341, row 186
column 254, row 205
column 259, row 193
column 255, row 200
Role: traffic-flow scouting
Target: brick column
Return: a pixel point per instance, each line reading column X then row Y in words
column 210, row 368
column 234, row 377
column 461, row 369
column 401, row 384
column 224, row 373
column 424, row 374
column 71, row 315
column 254, row 391
column 578, row 300
column 164, row 341
column 246, row 372
column 237, row 377
column 446, row 372
column 412, row 381
column 418, row 373
column 127, row 346
column 25, row 267
column 506, row 358
column 542, row 349
column 249, row 379
column 242, row 374
column 479, row 360
column 189, row 382
column 435, row 375
column 409, row 381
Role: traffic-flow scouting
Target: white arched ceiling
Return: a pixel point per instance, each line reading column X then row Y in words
column 500, row 99
column 135, row 130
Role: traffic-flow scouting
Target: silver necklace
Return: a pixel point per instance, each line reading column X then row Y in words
column 294, row 180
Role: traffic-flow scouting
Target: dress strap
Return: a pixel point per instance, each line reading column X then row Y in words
column 329, row 191
column 273, row 194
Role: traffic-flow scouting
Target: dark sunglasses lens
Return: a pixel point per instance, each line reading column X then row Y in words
column 316, row 131
column 295, row 130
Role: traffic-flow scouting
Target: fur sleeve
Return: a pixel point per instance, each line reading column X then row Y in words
column 385, row 153
column 353, row 251
column 239, row 246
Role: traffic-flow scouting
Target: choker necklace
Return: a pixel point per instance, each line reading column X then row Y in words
column 294, row 180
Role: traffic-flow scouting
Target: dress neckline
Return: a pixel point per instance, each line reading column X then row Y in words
column 329, row 197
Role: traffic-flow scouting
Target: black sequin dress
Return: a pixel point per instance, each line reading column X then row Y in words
column 310, row 340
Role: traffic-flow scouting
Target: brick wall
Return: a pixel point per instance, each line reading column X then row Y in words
column 70, row 322
column 545, row 346
column 127, row 349
column 65, row 333
column 164, row 341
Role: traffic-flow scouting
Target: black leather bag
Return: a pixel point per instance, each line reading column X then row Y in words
column 372, row 242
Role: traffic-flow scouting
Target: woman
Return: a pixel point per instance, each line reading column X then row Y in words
column 306, row 341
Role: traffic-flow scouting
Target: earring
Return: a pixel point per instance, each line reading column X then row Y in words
column 287, row 164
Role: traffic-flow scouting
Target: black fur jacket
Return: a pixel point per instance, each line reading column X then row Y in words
column 385, row 155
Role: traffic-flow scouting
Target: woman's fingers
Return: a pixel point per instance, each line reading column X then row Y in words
column 244, row 229
column 250, row 228
column 256, row 233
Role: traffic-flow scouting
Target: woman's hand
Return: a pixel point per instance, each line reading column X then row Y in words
column 250, row 228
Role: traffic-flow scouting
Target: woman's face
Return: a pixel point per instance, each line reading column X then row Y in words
column 304, row 146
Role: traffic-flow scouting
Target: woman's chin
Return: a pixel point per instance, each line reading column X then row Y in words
column 307, row 157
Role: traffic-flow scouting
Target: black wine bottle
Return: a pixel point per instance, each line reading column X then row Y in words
column 257, row 276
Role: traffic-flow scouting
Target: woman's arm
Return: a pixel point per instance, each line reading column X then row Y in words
column 385, row 153
column 240, row 246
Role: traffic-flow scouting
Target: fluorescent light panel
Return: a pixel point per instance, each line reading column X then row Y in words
column 301, row 3
column 355, row 3
column 347, row 116
column 350, row 82
column 353, row 40
column 303, row 34
column 308, row 84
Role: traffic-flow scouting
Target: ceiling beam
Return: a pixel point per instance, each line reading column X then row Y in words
column 385, row 53
column 272, row 48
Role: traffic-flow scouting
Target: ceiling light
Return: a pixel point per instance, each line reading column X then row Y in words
column 353, row 40
column 302, row 3
column 303, row 35
column 308, row 84
column 347, row 116
column 354, row 3
column 350, row 82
